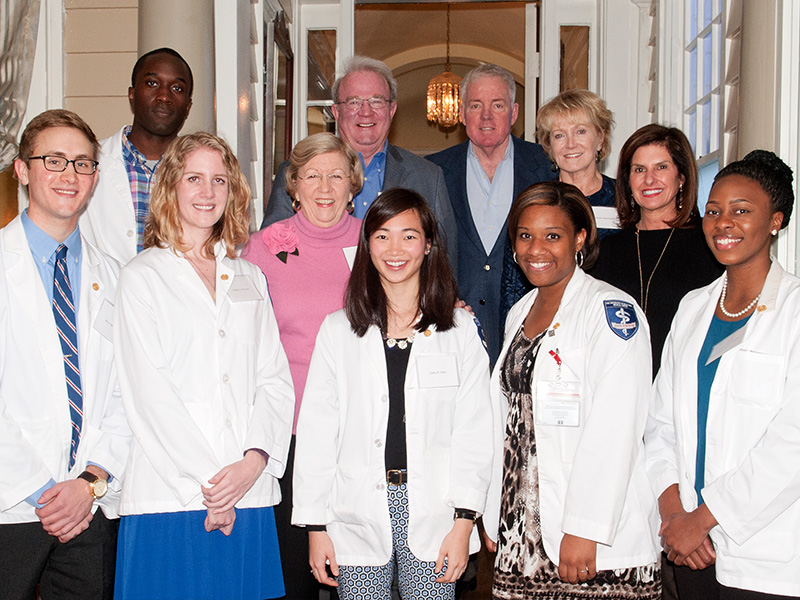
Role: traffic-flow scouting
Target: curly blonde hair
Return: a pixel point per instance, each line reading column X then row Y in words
column 163, row 228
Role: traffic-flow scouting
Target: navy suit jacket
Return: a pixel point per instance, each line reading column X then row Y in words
column 479, row 276
column 403, row 170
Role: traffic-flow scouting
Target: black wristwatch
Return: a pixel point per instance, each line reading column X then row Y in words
column 465, row 513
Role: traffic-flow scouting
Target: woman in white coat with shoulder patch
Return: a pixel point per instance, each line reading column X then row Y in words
column 394, row 445
column 570, row 505
column 723, row 437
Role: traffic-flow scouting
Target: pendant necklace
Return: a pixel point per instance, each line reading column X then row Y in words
column 644, row 292
column 203, row 275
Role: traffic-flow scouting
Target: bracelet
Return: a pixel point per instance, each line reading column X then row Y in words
column 464, row 513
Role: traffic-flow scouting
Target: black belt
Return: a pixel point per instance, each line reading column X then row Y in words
column 396, row 476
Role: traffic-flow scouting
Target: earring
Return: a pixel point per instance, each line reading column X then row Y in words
column 579, row 258
column 296, row 205
column 553, row 166
column 597, row 157
column 633, row 203
column 351, row 206
column 514, row 256
column 774, row 232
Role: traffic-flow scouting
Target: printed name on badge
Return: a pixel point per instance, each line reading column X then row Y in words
column 621, row 318
column 244, row 290
column 104, row 323
column 558, row 403
column 437, row 370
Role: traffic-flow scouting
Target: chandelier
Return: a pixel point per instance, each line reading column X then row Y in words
column 444, row 92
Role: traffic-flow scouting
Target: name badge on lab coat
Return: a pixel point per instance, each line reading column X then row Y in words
column 438, row 370
column 558, row 403
column 104, row 323
column 244, row 290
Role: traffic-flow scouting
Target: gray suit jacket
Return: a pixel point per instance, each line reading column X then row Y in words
column 403, row 170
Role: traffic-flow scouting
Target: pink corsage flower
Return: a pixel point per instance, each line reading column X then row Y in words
column 281, row 239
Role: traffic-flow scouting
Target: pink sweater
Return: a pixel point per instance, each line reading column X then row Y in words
column 307, row 287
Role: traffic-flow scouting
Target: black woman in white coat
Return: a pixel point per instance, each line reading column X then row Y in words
column 723, row 437
column 570, row 505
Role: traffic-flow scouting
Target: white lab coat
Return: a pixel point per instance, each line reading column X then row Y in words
column 202, row 382
column 752, row 469
column 109, row 221
column 340, row 472
column 35, row 426
column 592, row 480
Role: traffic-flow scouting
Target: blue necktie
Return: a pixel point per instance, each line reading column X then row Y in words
column 64, row 312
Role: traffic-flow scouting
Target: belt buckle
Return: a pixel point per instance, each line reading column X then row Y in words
column 394, row 477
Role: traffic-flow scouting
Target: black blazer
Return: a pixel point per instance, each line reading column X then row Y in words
column 479, row 275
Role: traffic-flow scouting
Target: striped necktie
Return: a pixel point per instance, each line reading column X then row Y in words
column 64, row 312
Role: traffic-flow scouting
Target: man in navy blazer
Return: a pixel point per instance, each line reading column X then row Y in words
column 483, row 177
column 365, row 100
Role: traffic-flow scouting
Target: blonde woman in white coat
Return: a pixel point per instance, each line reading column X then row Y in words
column 206, row 389
column 570, row 505
column 723, row 437
column 394, row 445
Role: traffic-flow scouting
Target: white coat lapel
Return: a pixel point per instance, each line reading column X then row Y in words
column 25, row 285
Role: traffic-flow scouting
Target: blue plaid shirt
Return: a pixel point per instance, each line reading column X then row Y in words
column 141, row 178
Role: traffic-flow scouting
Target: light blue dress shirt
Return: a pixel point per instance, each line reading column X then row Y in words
column 490, row 201
column 374, row 174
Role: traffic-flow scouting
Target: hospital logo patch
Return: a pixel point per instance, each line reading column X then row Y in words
column 621, row 318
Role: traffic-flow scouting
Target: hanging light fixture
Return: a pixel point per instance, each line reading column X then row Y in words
column 444, row 91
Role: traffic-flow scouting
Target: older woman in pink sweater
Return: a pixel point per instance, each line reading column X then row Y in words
column 307, row 259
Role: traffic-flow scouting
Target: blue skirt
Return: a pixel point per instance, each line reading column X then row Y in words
column 170, row 556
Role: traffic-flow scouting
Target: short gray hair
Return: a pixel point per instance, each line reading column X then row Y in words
column 358, row 63
column 489, row 70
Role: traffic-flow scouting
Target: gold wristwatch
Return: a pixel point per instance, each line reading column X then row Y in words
column 97, row 486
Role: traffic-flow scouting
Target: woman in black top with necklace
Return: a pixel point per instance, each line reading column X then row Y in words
column 394, row 437
column 660, row 254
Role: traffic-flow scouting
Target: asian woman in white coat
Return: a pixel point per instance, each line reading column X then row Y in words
column 723, row 437
column 570, row 507
column 206, row 389
column 394, row 445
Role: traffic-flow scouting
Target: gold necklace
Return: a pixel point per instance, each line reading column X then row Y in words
column 199, row 271
column 644, row 292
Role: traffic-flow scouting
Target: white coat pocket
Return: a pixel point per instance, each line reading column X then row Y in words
column 757, row 379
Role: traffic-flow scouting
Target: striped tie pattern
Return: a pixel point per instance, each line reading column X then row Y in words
column 64, row 312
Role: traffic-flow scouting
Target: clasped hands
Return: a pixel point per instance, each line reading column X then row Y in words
column 684, row 535
column 227, row 488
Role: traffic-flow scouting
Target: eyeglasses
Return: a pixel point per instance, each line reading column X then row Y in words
column 58, row 164
column 316, row 178
column 355, row 103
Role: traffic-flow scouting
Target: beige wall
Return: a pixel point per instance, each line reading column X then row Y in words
column 100, row 50
column 758, row 101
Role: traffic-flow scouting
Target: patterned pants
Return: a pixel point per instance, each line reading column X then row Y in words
column 415, row 578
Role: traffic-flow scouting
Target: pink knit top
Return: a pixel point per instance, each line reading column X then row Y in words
column 306, row 287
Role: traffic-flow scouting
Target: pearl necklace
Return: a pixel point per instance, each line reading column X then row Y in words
column 735, row 315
